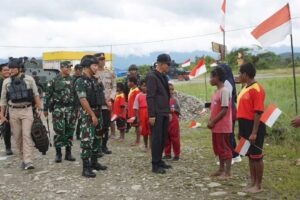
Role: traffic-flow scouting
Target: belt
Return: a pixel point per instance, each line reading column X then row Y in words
column 20, row 107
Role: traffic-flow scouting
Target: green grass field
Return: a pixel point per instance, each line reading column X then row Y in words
column 281, row 145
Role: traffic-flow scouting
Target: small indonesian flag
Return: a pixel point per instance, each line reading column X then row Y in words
column 194, row 124
column 186, row 63
column 223, row 11
column 270, row 115
column 275, row 28
column 131, row 120
column 199, row 69
column 214, row 64
column 203, row 111
column 113, row 117
column 243, row 147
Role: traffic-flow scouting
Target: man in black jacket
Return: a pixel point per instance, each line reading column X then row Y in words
column 158, row 96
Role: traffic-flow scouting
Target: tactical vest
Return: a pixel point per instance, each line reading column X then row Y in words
column 18, row 92
column 94, row 93
column 39, row 135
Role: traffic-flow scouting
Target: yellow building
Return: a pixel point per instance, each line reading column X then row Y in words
column 51, row 60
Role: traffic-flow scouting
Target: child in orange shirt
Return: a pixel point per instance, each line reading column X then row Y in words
column 120, row 111
column 134, row 90
column 141, row 112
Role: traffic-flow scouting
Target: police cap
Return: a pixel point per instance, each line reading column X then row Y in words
column 88, row 60
column 100, row 56
column 77, row 66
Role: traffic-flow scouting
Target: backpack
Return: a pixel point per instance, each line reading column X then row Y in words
column 39, row 135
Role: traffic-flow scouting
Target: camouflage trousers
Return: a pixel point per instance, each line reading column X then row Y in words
column 64, row 119
column 90, row 135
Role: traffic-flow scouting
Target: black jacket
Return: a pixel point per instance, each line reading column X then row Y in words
column 158, row 94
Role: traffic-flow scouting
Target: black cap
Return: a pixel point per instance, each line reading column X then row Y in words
column 15, row 63
column 65, row 63
column 88, row 60
column 132, row 67
column 163, row 58
column 100, row 56
column 77, row 66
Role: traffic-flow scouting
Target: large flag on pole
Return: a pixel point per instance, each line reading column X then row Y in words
column 270, row 115
column 223, row 10
column 186, row 63
column 275, row 28
column 199, row 69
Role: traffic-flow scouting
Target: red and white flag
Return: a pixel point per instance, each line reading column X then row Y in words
column 223, row 10
column 199, row 69
column 194, row 124
column 186, row 63
column 131, row 120
column 203, row 111
column 270, row 115
column 243, row 146
column 113, row 117
column 214, row 64
column 275, row 28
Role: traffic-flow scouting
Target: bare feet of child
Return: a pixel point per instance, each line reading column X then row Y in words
column 120, row 139
column 245, row 189
column 225, row 177
column 135, row 144
column 255, row 189
column 217, row 173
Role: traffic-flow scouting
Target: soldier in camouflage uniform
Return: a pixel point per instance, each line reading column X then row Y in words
column 91, row 96
column 59, row 100
column 77, row 74
column 108, row 79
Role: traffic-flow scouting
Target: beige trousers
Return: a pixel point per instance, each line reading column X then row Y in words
column 21, row 122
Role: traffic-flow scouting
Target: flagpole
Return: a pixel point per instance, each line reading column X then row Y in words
column 205, row 87
column 294, row 74
column 224, row 48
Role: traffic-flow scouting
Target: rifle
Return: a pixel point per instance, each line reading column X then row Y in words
column 47, row 119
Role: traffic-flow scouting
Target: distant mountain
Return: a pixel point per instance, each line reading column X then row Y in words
column 124, row 62
column 288, row 55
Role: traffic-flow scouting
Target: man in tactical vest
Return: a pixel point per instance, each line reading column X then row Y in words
column 60, row 95
column 107, row 78
column 18, row 93
column 6, row 134
column 91, row 96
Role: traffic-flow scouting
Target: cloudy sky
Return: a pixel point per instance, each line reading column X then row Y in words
column 92, row 24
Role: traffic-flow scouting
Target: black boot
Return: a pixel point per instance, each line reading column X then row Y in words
column 99, row 153
column 86, row 170
column 68, row 155
column 157, row 169
column 163, row 165
column 95, row 165
column 9, row 152
column 58, row 155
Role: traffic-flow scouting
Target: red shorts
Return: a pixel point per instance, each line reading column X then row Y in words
column 222, row 145
column 144, row 122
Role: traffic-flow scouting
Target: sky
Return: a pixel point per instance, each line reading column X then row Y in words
column 101, row 25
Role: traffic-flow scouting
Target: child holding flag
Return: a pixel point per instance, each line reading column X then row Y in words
column 134, row 91
column 141, row 113
column 250, row 106
column 173, row 139
column 220, row 122
column 120, row 111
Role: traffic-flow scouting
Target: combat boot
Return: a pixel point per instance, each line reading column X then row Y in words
column 86, row 170
column 99, row 153
column 95, row 165
column 58, row 155
column 68, row 155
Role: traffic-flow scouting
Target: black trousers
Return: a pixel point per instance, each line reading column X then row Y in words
column 106, row 125
column 159, row 135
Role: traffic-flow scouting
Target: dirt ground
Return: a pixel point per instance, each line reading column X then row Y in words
column 128, row 176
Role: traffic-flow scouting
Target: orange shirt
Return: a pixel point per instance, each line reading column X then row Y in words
column 131, row 97
column 120, row 101
column 250, row 100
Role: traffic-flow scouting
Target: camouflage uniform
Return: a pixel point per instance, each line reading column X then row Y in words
column 90, row 135
column 60, row 97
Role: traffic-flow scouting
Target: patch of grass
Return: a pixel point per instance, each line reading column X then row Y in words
column 281, row 177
